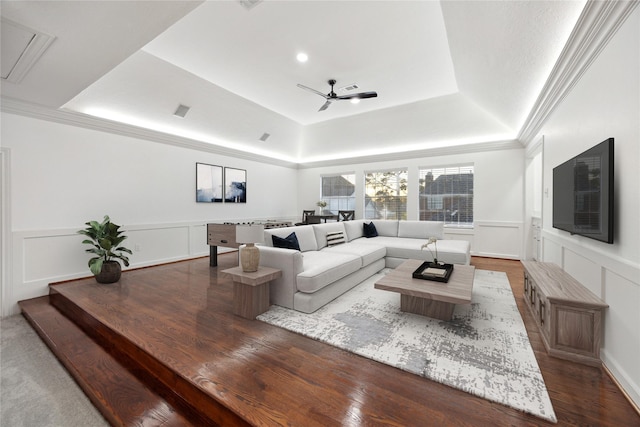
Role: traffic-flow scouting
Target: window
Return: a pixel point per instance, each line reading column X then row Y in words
column 446, row 194
column 385, row 195
column 339, row 192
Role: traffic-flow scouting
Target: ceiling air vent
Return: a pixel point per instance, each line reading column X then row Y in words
column 181, row 111
column 264, row 137
column 21, row 49
column 348, row 88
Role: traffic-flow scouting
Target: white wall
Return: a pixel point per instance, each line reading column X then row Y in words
column 498, row 195
column 62, row 176
column 605, row 103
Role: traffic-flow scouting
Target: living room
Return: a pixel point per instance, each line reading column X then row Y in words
column 61, row 168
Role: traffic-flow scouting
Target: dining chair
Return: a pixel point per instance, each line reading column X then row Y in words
column 305, row 217
column 346, row 215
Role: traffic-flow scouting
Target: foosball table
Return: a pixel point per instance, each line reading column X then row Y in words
column 224, row 234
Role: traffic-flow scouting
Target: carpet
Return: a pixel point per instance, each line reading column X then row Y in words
column 35, row 389
column 484, row 350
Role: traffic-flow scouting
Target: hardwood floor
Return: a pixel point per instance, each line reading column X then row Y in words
column 173, row 327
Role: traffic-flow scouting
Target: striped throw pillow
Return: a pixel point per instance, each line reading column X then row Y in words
column 335, row 238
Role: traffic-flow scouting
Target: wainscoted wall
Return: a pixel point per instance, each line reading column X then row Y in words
column 603, row 103
column 617, row 282
column 59, row 175
column 498, row 239
column 44, row 256
column 493, row 239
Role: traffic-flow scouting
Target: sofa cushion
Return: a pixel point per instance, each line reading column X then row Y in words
column 289, row 242
column 421, row 229
column 321, row 268
column 449, row 251
column 369, row 230
column 320, row 231
column 335, row 238
column 304, row 233
column 354, row 229
column 368, row 252
column 386, row 227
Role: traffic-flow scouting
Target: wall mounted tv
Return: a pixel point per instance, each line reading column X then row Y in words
column 583, row 193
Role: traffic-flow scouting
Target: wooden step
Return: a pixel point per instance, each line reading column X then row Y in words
column 111, row 385
column 181, row 392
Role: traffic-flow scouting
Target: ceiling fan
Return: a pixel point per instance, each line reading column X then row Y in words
column 331, row 96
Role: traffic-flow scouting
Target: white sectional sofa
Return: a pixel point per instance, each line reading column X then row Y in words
column 319, row 273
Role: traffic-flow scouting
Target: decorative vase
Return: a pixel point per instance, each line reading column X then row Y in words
column 249, row 258
column 110, row 273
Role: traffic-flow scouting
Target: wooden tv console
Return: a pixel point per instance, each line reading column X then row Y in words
column 568, row 314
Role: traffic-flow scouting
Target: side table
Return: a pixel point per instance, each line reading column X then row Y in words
column 251, row 290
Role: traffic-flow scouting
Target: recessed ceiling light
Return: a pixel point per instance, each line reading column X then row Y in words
column 302, row 57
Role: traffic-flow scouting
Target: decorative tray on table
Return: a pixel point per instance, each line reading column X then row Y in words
column 436, row 272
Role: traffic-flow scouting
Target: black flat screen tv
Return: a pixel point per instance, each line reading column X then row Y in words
column 583, row 193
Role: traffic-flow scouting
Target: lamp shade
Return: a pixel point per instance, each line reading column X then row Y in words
column 249, row 233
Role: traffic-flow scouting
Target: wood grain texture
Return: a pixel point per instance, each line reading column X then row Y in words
column 111, row 384
column 254, row 278
column 426, row 307
column 177, row 321
column 222, row 235
column 456, row 291
column 559, row 286
column 567, row 313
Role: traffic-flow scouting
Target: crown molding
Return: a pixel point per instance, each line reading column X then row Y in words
column 599, row 21
column 428, row 152
column 14, row 106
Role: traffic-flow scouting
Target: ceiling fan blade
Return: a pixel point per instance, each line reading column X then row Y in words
column 361, row 95
column 325, row 105
column 313, row 90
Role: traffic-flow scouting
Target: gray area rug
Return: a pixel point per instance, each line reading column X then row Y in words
column 484, row 350
column 35, row 389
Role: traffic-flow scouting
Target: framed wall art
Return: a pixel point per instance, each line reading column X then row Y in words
column 209, row 183
column 235, row 185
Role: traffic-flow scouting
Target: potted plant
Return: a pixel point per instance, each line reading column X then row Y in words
column 435, row 245
column 105, row 238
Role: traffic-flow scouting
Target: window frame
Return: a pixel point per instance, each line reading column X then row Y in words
column 370, row 203
column 336, row 203
column 447, row 200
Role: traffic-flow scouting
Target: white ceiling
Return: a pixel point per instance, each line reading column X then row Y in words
column 446, row 72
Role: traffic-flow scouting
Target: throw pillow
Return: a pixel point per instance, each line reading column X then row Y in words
column 289, row 242
column 335, row 238
column 369, row 230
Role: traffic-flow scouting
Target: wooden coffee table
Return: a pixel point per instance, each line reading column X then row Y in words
column 427, row 297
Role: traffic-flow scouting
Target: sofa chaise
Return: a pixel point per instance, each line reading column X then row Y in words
column 334, row 257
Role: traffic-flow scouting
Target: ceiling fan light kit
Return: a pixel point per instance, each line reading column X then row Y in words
column 332, row 96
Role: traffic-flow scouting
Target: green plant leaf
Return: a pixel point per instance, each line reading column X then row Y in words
column 95, row 265
column 105, row 243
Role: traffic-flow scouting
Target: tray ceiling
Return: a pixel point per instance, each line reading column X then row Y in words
column 444, row 71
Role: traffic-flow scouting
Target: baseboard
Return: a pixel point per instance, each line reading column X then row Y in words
column 627, row 396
